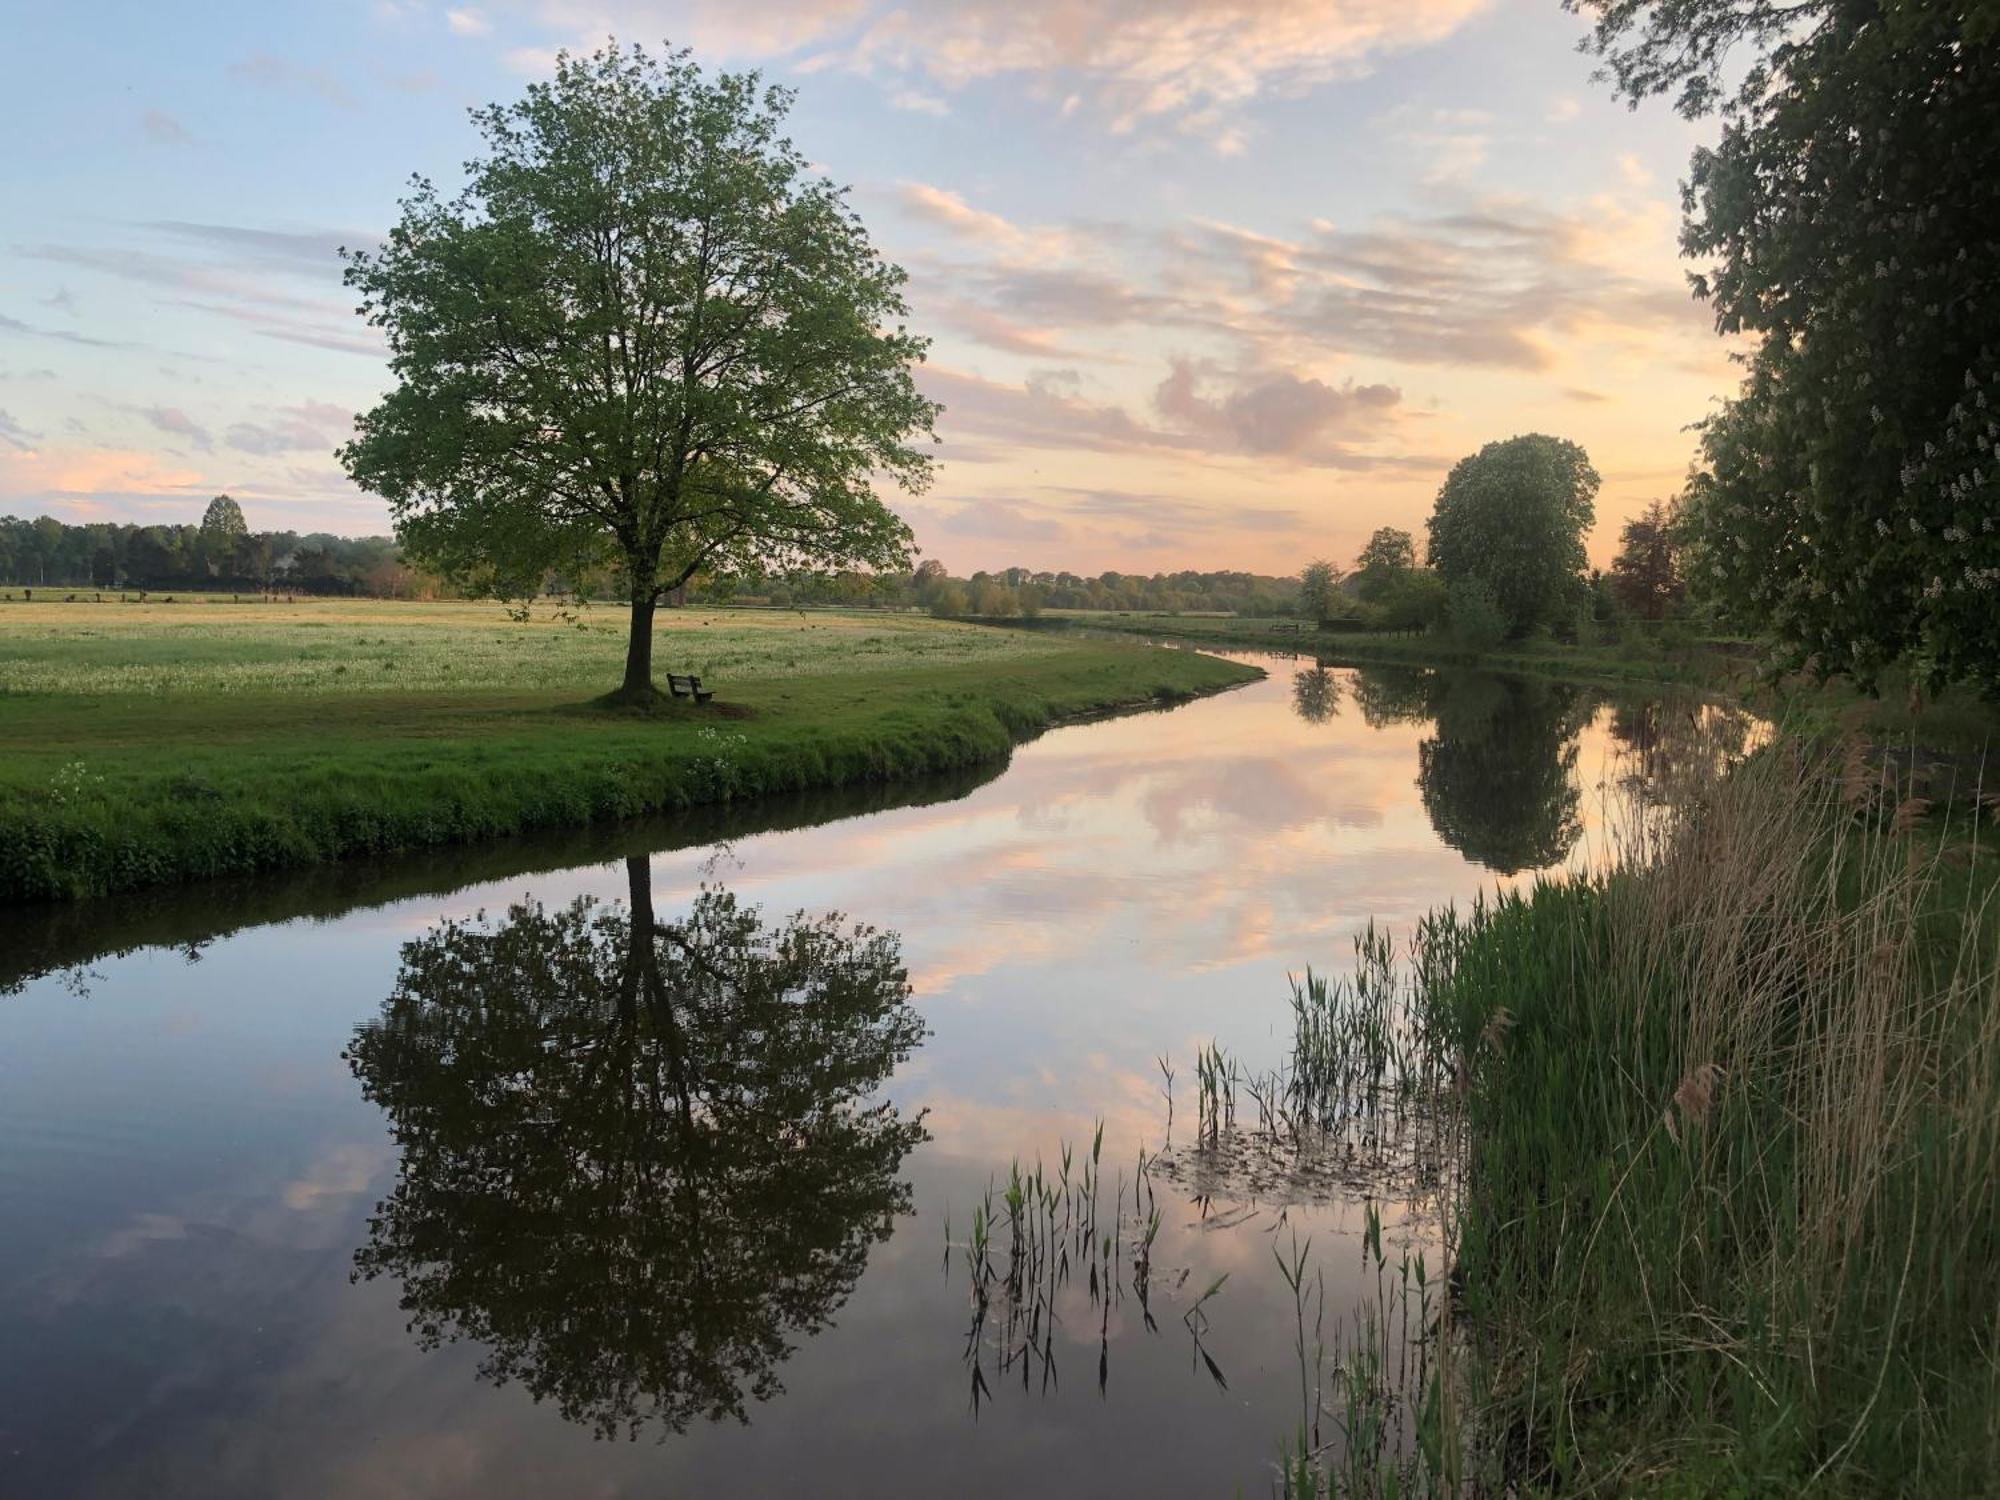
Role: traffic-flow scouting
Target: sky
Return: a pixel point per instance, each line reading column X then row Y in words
column 1211, row 283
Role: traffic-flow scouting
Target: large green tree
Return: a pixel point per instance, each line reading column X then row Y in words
column 643, row 332
column 1847, row 502
column 1512, row 517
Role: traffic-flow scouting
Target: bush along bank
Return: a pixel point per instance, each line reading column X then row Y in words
column 178, row 815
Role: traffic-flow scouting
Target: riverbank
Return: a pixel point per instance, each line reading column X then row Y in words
column 152, row 745
column 1724, row 1215
column 1957, row 722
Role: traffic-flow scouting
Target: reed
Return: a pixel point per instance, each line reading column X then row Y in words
column 1730, row 1205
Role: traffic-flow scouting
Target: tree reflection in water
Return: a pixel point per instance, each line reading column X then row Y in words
column 1315, row 693
column 1498, row 772
column 640, row 1160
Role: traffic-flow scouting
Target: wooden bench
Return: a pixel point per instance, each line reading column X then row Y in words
column 687, row 687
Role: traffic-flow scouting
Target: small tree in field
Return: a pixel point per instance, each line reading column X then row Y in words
column 1319, row 587
column 641, row 334
column 1512, row 518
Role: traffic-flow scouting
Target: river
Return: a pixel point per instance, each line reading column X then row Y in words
column 434, row 1179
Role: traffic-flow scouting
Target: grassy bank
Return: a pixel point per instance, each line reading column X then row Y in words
column 1958, row 721
column 145, row 745
column 1725, row 1217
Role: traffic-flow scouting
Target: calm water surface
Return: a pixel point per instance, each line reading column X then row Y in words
column 431, row 1181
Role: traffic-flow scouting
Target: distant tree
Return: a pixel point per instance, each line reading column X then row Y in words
column 949, row 599
column 1512, row 517
column 1646, row 573
column 1319, row 590
column 1389, row 553
column 1410, row 599
column 1846, row 500
column 222, row 525
column 641, row 331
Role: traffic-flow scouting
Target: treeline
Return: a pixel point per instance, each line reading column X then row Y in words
column 220, row 553
column 1013, row 592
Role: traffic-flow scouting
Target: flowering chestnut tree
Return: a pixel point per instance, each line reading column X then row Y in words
column 1847, row 501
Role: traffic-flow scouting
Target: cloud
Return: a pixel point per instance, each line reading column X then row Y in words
column 1277, row 414
column 915, row 101
column 1185, row 516
column 1493, row 283
column 162, row 129
column 1270, row 414
column 85, row 474
column 14, row 433
column 316, row 250
column 15, row 325
column 467, row 22
column 1133, row 60
column 229, row 285
column 266, row 71
column 174, row 421
column 1193, row 63
column 988, row 231
column 996, row 331
column 308, row 427
column 1043, row 412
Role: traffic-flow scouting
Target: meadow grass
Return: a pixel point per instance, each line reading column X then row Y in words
column 149, row 744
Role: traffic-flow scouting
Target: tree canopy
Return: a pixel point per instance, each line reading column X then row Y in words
column 643, row 332
column 1319, row 590
column 1389, row 550
column 1512, row 517
column 1646, row 573
column 1847, row 502
column 640, row 1159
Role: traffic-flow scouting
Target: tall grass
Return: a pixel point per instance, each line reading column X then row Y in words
column 1729, row 1212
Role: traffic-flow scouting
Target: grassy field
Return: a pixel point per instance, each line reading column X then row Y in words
column 149, row 744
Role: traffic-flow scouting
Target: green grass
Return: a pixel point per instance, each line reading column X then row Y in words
column 147, row 745
column 1725, row 1218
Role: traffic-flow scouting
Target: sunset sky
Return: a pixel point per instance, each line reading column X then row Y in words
column 1213, row 283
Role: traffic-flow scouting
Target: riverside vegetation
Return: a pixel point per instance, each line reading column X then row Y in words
column 150, row 744
column 1717, row 1134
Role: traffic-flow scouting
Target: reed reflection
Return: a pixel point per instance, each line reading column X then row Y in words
column 641, row 1160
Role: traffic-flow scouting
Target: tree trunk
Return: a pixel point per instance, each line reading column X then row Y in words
column 638, row 685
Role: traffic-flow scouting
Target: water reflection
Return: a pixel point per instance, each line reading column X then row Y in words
column 1315, row 693
column 1497, row 773
column 641, row 1160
